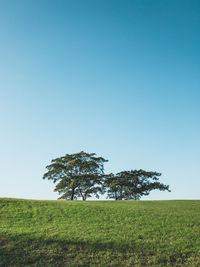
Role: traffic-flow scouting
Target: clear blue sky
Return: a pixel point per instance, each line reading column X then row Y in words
column 119, row 78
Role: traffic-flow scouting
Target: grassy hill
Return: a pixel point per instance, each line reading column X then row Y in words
column 104, row 233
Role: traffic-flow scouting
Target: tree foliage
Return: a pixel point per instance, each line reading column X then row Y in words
column 133, row 184
column 77, row 175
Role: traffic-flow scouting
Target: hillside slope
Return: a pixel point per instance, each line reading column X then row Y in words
column 99, row 233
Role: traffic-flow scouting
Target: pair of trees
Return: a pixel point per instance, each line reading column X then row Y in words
column 82, row 175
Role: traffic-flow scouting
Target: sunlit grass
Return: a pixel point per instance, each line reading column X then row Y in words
column 99, row 233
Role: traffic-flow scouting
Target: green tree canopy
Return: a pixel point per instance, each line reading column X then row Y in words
column 77, row 175
column 133, row 184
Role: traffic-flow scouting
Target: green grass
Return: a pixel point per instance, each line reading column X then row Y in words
column 99, row 233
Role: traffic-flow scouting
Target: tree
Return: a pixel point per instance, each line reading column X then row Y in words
column 133, row 184
column 77, row 175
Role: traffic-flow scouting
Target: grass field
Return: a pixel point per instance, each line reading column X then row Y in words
column 99, row 233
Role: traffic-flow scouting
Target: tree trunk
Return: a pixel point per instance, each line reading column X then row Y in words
column 120, row 193
column 72, row 195
column 82, row 195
